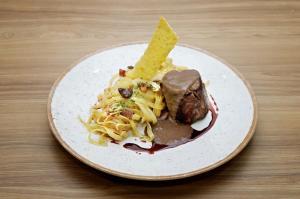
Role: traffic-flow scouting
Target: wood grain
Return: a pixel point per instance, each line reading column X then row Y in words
column 39, row 39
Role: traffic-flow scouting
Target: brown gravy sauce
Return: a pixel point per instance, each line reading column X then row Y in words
column 169, row 134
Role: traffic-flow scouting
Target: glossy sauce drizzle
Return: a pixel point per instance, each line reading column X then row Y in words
column 194, row 135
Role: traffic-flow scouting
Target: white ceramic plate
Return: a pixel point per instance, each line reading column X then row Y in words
column 76, row 91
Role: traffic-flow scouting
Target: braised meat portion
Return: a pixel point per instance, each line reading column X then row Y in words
column 185, row 95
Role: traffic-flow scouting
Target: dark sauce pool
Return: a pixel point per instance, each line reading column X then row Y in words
column 195, row 134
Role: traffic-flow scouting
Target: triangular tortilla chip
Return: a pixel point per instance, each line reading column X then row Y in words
column 162, row 42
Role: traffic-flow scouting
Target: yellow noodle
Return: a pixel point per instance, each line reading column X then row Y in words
column 135, row 132
column 147, row 113
column 149, row 131
column 112, row 134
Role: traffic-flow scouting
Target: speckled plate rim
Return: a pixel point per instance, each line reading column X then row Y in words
column 242, row 145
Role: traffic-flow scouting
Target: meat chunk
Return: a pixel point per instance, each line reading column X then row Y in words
column 185, row 95
column 193, row 106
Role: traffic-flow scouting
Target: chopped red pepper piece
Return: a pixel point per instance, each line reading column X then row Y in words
column 122, row 73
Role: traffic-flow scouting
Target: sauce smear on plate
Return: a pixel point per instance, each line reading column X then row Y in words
column 169, row 134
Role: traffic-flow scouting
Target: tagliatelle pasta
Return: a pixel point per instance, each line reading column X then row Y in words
column 115, row 117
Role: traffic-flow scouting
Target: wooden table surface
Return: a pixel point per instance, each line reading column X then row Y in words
column 39, row 39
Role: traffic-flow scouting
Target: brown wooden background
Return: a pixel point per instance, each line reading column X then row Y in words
column 39, row 39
